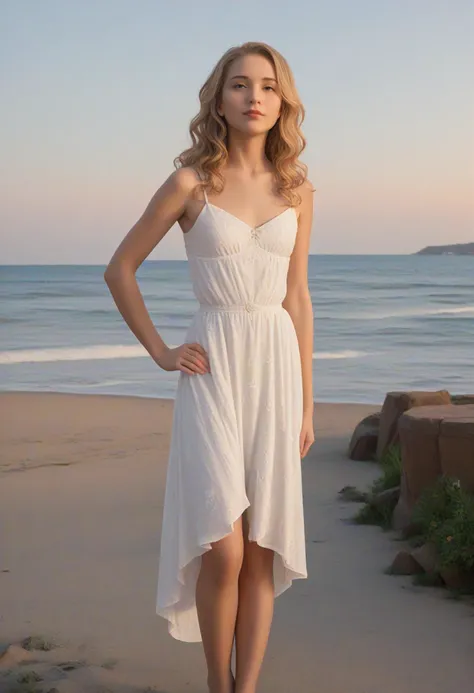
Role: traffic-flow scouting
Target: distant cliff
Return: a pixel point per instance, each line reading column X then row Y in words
column 456, row 249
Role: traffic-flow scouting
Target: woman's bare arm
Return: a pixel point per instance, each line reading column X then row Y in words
column 166, row 206
column 298, row 299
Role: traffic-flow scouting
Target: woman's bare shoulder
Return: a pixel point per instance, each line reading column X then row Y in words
column 306, row 189
column 184, row 180
column 305, row 192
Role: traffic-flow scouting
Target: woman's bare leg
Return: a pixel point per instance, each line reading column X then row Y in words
column 255, row 613
column 216, row 602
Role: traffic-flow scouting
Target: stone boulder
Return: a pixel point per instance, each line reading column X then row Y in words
column 363, row 443
column 458, row 579
column 429, row 434
column 395, row 404
column 14, row 655
column 456, row 446
column 426, row 557
column 405, row 564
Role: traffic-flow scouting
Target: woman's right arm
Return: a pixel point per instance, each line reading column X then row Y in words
column 166, row 206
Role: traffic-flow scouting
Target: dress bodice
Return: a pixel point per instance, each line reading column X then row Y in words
column 231, row 262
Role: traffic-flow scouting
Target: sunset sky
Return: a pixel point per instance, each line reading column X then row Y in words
column 97, row 99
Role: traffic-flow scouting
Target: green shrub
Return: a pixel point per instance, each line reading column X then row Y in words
column 369, row 515
column 391, row 464
column 381, row 513
column 376, row 513
column 445, row 514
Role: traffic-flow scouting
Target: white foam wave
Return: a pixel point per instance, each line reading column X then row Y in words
column 119, row 351
column 414, row 312
column 348, row 354
column 86, row 353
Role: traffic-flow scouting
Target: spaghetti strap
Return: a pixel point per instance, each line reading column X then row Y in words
column 203, row 190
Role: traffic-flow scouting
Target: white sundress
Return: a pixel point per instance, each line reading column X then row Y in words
column 235, row 435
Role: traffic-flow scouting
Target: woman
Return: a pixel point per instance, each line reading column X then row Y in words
column 233, row 530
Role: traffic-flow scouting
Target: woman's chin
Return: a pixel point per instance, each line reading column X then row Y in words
column 252, row 127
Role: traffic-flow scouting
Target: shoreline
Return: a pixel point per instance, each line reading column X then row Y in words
column 164, row 399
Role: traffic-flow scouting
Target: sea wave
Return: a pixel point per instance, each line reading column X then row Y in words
column 96, row 352
column 411, row 313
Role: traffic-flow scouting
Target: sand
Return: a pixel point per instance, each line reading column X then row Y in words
column 81, row 498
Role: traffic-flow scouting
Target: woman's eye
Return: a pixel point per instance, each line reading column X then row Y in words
column 236, row 85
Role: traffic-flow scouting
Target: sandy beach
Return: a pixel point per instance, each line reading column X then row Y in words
column 81, row 496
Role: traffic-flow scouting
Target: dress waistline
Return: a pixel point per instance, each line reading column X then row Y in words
column 248, row 307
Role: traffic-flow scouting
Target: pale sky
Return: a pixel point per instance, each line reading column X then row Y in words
column 98, row 96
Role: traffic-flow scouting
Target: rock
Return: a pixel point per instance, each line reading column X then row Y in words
column 363, row 443
column 420, row 430
column 13, row 655
column 395, row 404
column 405, row 564
column 421, row 466
column 458, row 579
column 38, row 642
column 351, row 493
column 456, row 446
column 426, row 557
column 401, row 518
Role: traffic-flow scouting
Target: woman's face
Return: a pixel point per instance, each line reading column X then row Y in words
column 250, row 85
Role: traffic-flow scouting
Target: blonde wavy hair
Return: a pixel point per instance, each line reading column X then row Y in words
column 284, row 143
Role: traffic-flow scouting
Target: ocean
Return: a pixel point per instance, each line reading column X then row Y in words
column 381, row 323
